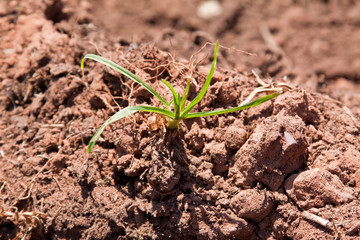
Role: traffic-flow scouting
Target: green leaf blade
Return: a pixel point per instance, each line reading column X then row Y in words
column 178, row 107
column 184, row 97
column 198, row 98
column 123, row 113
column 239, row 108
column 175, row 98
column 125, row 72
column 172, row 91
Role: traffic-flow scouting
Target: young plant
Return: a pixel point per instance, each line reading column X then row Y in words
column 175, row 110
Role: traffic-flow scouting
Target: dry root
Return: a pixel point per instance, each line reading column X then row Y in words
column 268, row 87
column 22, row 219
column 26, row 221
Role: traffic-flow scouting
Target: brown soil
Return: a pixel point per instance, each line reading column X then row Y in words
column 256, row 174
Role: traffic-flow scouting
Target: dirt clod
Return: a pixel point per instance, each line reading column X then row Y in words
column 268, row 156
column 163, row 174
column 252, row 204
column 317, row 187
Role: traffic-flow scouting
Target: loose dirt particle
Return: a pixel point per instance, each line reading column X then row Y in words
column 235, row 137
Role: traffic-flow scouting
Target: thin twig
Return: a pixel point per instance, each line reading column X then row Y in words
column 61, row 125
column 3, row 186
column 319, row 220
column 29, row 192
column 1, row 189
column 57, row 183
column 272, row 45
column 96, row 47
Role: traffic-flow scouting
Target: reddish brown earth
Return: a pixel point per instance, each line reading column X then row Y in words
column 263, row 173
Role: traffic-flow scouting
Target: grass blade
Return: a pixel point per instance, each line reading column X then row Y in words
column 125, row 72
column 178, row 109
column 123, row 113
column 198, row 98
column 176, row 98
column 183, row 99
column 176, row 102
column 239, row 108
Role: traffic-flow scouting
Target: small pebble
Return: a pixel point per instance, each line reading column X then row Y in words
column 209, row 9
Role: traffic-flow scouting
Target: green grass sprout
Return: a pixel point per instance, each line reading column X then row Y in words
column 175, row 110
